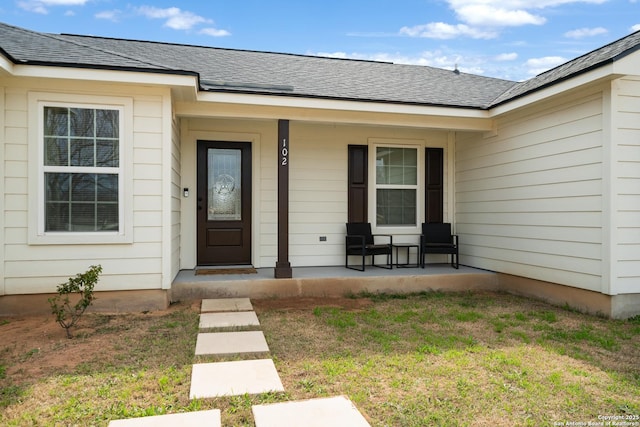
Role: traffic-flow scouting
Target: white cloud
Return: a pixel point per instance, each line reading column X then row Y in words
column 64, row 2
column 440, row 30
column 31, row 6
column 585, row 32
column 484, row 18
column 214, row 32
column 536, row 66
column 176, row 18
column 503, row 57
column 491, row 16
column 635, row 28
column 41, row 6
column 109, row 15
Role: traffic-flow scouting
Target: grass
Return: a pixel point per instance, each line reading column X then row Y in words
column 426, row 359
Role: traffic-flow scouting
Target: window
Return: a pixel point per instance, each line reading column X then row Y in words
column 81, row 169
column 80, row 158
column 396, row 186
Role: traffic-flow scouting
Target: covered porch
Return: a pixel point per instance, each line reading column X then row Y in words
column 333, row 281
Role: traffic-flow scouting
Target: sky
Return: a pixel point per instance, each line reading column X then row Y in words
column 508, row 39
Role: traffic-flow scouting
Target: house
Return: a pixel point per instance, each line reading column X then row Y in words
column 150, row 158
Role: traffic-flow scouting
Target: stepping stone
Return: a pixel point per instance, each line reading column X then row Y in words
column 332, row 411
column 227, row 320
column 220, row 343
column 226, row 304
column 234, row 378
column 209, row 418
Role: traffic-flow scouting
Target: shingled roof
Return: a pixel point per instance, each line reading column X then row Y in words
column 243, row 71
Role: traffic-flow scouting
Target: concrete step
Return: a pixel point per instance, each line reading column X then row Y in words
column 228, row 343
column 209, row 418
column 225, row 304
column 228, row 320
column 234, row 378
column 331, row 411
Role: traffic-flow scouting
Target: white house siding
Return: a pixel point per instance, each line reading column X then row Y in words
column 317, row 183
column 2, row 187
column 176, row 196
column 626, row 224
column 38, row 268
column 529, row 196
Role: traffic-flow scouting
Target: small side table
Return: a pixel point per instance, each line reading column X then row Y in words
column 407, row 247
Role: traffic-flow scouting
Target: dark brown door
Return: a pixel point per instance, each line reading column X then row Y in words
column 224, row 203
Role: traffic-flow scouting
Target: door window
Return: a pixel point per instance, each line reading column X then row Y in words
column 224, row 184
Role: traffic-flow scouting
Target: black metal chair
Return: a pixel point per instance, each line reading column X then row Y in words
column 360, row 242
column 436, row 238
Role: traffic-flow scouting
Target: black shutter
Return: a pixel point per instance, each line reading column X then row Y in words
column 434, row 185
column 358, row 173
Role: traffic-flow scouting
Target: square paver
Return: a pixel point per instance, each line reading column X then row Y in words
column 234, row 378
column 331, row 411
column 227, row 320
column 209, row 418
column 226, row 304
column 220, row 343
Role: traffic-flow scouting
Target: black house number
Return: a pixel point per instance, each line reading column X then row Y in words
column 284, row 160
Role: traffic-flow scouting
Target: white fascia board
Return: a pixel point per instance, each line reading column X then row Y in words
column 603, row 73
column 338, row 105
column 112, row 76
column 629, row 65
column 6, row 66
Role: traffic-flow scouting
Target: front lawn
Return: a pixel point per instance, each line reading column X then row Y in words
column 421, row 360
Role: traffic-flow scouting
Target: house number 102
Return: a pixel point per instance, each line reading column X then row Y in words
column 284, row 152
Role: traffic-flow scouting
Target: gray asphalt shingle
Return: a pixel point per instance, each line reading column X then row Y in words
column 294, row 75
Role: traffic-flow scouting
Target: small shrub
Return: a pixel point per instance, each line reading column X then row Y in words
column 67, row 315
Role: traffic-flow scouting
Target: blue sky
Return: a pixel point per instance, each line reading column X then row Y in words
column 511, row 39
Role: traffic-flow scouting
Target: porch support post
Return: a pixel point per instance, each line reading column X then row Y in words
column 283, row 266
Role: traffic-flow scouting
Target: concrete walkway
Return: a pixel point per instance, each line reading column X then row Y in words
column 254, row 376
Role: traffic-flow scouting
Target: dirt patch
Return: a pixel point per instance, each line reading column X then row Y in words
column 296, row 303
column 41, row 346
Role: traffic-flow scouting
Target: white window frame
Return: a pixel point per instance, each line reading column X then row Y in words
column 418, row 145
column 37, row 169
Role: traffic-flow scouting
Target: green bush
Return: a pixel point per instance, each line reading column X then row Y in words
column 68, row 314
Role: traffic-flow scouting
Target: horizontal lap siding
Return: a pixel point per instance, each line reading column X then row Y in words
column 529, row 199
column 627, row 185
column 318, row 194
column 318, row 199
column 176, row 197
column 39, row 268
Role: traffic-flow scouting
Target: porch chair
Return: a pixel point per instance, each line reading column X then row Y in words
column 360, row 242
column 436, row 238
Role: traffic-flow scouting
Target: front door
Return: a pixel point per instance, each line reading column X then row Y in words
column 224, row 203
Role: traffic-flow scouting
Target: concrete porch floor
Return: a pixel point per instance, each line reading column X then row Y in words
column 334, row 281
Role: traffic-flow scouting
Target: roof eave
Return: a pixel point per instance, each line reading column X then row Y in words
column 125, row 75
column 6, row 61
column 553, row 83
column 345, row 99
column 593, row 75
